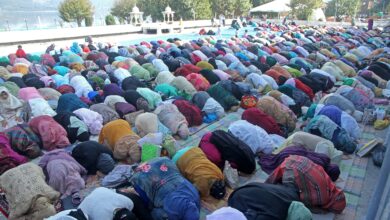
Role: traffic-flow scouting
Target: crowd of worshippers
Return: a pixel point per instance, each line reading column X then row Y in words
column 117, row 112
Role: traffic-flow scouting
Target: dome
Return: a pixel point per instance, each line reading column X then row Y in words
column 135, row 9
column 168, row 9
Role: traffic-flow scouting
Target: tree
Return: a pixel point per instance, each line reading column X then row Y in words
column 185, row 9
column 110, row 20
column 122, row 9
column 302, row 9
column 256, row 3
column 88, row 21
column 231, row 7
column 344, row 8
column 242, row 7
column 75, row 10
column 153, row 8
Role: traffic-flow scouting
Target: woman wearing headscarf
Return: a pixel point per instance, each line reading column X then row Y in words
column 76, row 129
column 152, row 97
column 198, row 81
column 323, row 126
column 268, row 201
column 8, row 157
column 119, row 137
column 131, row 83
column 282, row 114
column 69, row 103
column 300, row 98
column 236, row 152
column 184, row 87
column 270, row 162
column 167, row 193
column 28, row 195
column 254, row 136
column 81, row 86
column 316, row 189
column 105, row 203
column 208, row 104
column 257, row 82
column 28, row 93
column 92, row 119
column 112, row 89
column 200, row 171
column 341, row 102
column 24, row 141
column 190, row 111
column 223, row 97
column 105, row 111
column 63, row 172
column 170, row 116
column 11, row 109
column 257, row 117
column 134, row 98
column 360, row 100
column 75, row 48
column 52, row 134
column 342, row 119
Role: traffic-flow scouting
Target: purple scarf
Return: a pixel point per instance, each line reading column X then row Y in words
column 270, row 162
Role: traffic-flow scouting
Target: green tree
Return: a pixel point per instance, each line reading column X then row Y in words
column 344, row 8
column 88, row 21
column 122, row 9
column 75, row 10
column 242, row 7
column 185, row 9
column 302, row 9
column 256, row 3
column 231, row 7
column 110, row 20
column 153, row 8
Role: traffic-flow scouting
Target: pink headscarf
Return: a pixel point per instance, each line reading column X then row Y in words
column 8, row 157
column 53, row 135
column 29, row 93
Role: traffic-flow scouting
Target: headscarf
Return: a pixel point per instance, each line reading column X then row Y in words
column 76, row 129
column 232, row 149
column 119, row 137
column 52, row 134
column 146, row 123
column 278, row 111
column 92, row 119
column 316, row 189
column 106, row 112
column 226, row 213
column 192, row 113
column 88, row 155
column 170, row 195
column 201, row 172
column 24, row 141
column 63, row 171
column 134, row 98
column 152, row 97
column 263, row 201
column 259, row 118
column 8, row 157
column 270, row 162
column 28, row 93
column 28, row 195
column 326, row 128
column 223, row 97
column 112, row 89
column 170, row 116
column 10, row 106
column 69, row 103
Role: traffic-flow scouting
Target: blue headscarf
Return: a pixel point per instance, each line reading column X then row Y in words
column 69, row 103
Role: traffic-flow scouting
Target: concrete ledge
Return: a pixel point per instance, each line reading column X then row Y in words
column 47, row 35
